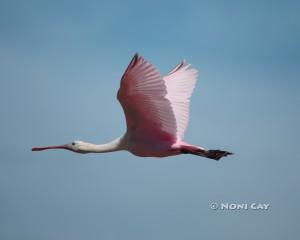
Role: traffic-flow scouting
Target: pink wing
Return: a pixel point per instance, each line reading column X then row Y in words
column 142, row 94
column 156, row 107
column 180, row 83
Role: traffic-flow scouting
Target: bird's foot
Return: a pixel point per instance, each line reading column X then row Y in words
column 216, row 154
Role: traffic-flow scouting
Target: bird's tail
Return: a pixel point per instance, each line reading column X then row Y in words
column 212, row 154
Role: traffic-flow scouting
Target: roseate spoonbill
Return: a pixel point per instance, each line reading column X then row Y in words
column 157, row 112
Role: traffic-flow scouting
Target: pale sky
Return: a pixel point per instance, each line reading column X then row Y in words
column 60, row 67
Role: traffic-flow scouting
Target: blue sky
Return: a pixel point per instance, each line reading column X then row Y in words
column 60, row 67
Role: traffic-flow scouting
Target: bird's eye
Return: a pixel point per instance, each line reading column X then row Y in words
column 73, row 143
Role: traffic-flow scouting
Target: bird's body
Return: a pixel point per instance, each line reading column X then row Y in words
column 157, row 112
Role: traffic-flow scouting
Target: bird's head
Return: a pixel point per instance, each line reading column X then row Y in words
column 75, row 146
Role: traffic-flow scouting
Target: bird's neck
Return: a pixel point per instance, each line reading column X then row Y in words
column 115, row 145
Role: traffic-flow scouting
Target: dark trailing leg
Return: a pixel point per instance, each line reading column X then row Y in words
column 216, row 154
column 212, row 154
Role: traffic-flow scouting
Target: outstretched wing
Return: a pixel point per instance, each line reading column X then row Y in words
column 180, row 83
column 143, row 96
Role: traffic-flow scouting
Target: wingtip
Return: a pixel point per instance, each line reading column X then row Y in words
column 134, row 60
column 177, row 67
column 136, row 55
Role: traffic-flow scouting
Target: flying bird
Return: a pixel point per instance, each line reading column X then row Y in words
column 156, row 109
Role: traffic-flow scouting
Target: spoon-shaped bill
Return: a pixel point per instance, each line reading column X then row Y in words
column 50, row 147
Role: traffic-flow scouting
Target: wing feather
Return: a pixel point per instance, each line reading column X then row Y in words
column 156, row 107
column 180, row 83
column 142, row 95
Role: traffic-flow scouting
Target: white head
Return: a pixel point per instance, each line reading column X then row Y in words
column 84, row 147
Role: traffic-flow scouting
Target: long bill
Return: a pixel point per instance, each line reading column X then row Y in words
column 50, row 147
